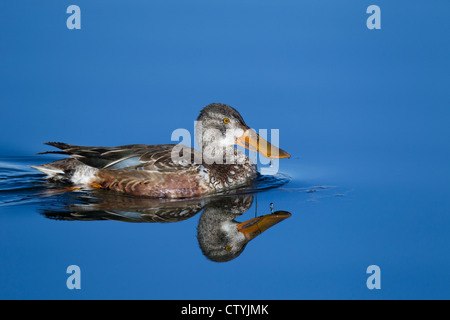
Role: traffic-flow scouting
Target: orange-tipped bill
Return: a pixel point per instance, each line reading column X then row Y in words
column 254, row 227
column 252, row 141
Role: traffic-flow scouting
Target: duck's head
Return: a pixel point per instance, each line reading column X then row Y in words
column 221, row 126
column 224, row 239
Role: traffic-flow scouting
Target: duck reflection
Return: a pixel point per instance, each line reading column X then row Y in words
column 220, row 236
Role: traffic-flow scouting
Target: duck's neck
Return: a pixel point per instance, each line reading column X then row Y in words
column 223, row 155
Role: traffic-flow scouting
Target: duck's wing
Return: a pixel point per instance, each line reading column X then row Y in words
column 135, row 156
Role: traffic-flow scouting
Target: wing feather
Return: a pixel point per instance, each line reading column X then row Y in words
column 127, row 157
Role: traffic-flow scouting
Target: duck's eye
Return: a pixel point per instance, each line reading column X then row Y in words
column 226, row 120
column 228, row 248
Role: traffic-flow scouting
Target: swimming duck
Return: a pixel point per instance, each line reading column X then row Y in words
column 171, row 170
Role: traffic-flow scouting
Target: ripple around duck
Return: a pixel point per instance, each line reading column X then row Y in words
column 22, row 185
column 263, row 182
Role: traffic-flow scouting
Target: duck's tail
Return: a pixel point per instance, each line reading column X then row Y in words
column 60, row 145
column 68, row 170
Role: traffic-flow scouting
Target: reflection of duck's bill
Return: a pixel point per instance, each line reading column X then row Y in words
column 254, row 227
column 253, row 141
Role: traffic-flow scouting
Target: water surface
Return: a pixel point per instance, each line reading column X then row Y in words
column 132, row 247
column 46, row 225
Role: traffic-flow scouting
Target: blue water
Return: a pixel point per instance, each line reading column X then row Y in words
column 364, row 114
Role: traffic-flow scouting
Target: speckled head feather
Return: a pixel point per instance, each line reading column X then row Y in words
column 220, row 110
column 218, row 126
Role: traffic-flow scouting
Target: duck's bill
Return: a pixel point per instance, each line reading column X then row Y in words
column 254, row 227
column 252, row 141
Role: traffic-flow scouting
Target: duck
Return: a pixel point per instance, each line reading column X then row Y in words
column 168, row 170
